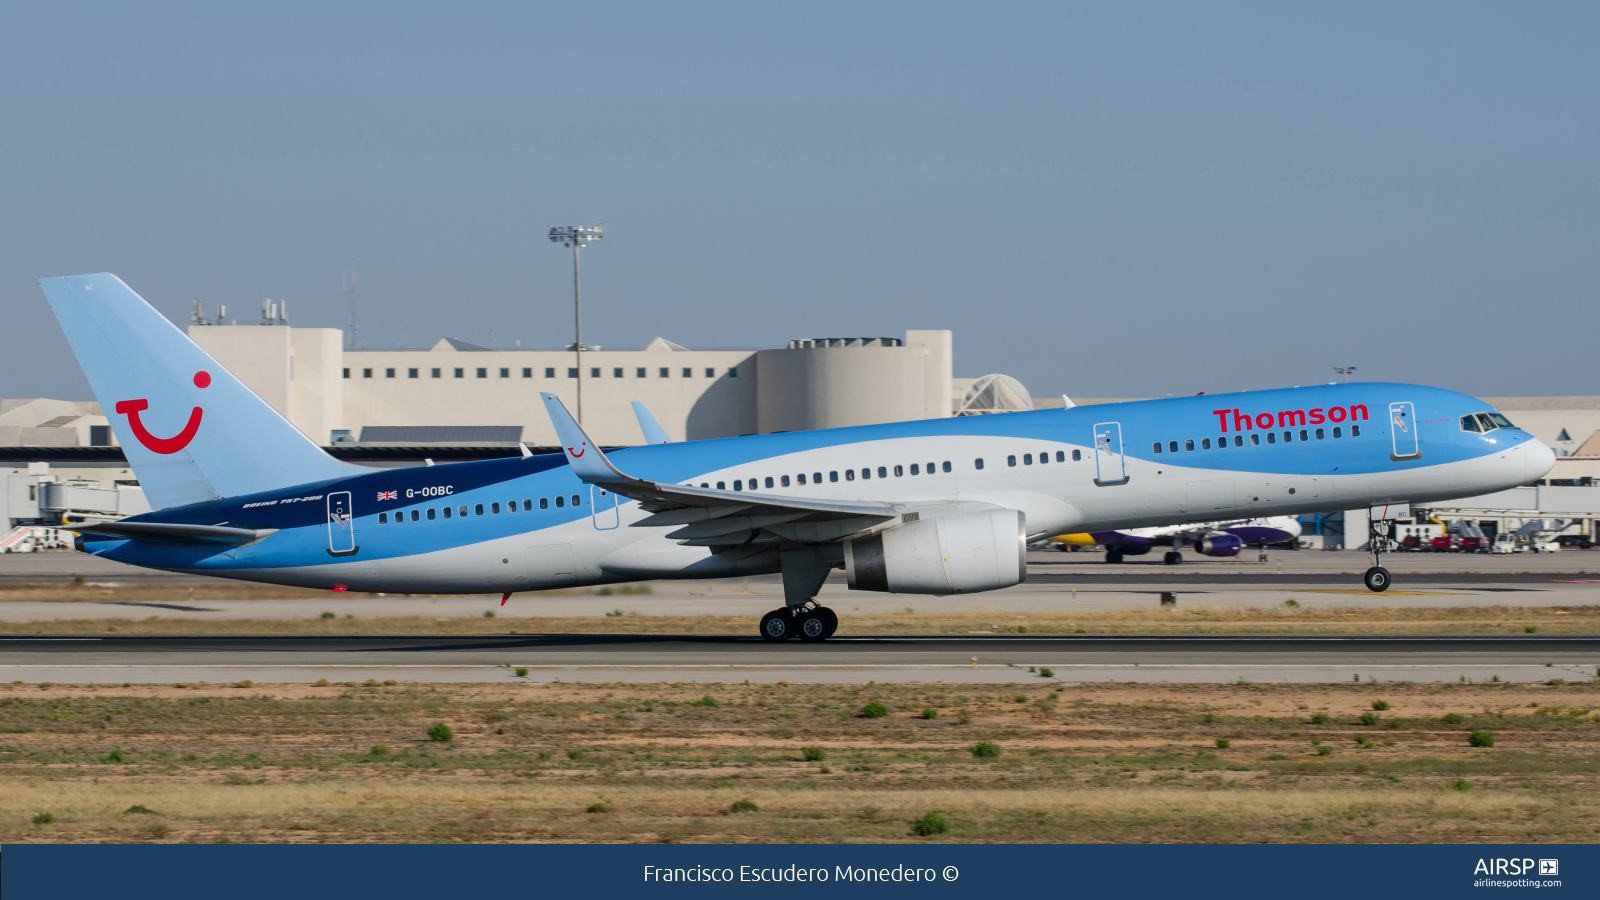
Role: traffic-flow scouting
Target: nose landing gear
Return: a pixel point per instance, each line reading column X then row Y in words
column 1377, row 578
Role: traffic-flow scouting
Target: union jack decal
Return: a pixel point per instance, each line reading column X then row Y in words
column 386, row 495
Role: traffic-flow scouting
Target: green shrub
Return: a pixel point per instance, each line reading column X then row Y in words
column 522, row 672
column 1223, row 743
column 1291, row 604
column 1019, row 698
column 576, row 754
column 329, row 615
column 440, row 732
column 1364, row 742
column 138, row 810
column 707, row 701
column 1481, row 739
column 874, row 710
column 1462, row 785
column 1531, row 629
column 1380, row 705
column 1047, row 673
column 963, row 718
column 743, row 806
column 116, row 756
column 1369, row 719
column 813, row 754
column 1453, row 719
column 1324, row 750
column 43, row 818
column 488, row 614
column 1320, row 718
column 986, row 750
column 1275, row 757
column 601, row 807
column 544, row 754
column 930, row 824
column 930, row 713
column 378, row 750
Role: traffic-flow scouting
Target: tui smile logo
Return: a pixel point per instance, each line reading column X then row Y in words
column 582, row 448
column 132, row 408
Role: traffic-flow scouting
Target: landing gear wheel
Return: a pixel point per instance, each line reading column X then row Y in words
column 1377, row 579
column 1113, row 556
column 777, row 626
column 829, row 618
column 1172, row 558
column 812, row 628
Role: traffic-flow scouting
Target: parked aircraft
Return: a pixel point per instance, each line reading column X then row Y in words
column 939, row 506
column 1220, row 538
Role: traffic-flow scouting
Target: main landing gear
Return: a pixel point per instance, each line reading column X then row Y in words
column 1114, row 556
column 1377, row 578
column 1172, row 558
column 810, row 623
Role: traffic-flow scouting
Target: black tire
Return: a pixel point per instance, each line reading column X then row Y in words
column 777, row 626
column 1377, row 579
column 811, row 627
column 830, row 617
column 1113, row 556
column 1172, row 558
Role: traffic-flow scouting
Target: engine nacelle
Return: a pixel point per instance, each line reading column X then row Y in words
column 979, row 551
column 1219, row 545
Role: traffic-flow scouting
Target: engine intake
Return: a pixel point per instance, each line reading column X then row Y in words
column 980, row 551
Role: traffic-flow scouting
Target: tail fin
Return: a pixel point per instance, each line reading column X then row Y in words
column 653, row 432
column 191, row 431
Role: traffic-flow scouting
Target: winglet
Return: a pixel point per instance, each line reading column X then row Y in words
column 586, row 460
column 653, row 432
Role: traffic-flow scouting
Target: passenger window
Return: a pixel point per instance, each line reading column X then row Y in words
column 1205, row 443
column 447, row 512
column 1061, row 456
column 769, row 481
column 1077, row 455
column 511, row 506
column 432, row 514
column 947, row 465
column 462, row 510
column 1156, row 446
column 866, row 474
column 1188, row 445
column 1027, row 459
column 1238, row 440
column 899, row 472
column 399, row 516
column 1355, row 431
column 415, row 515
column 1173, row 446
column 883, row 472
column 784, row 480
column 1011, row 460
column 1255, row 439
column 1338, row 432
column 1288, row 437
column 494, row 508
column 738, row 485
column 816, row 478
column 833, row 476
column 1321, row 435
column 576, row 500
column 477, row 509
column 722, row 485
column 849, row 475
column 383, row 518
column 800, row 479
column 544, row 502
column 978, row 463
column 1303, row 437
column 1272, row 437
column 1469, row 422
column 561, row 503
column 914, row 469
column 1044, row 457
column 527, row 505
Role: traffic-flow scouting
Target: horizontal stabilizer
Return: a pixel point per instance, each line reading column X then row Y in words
column 172, row 533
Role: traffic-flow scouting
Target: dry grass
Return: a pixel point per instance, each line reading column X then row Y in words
column 1093, row 763
column 1192, row 620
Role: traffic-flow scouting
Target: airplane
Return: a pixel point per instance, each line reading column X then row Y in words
column 937, row 506
column 1220, row 538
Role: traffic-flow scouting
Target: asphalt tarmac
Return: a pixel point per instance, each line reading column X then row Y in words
column 682, row 658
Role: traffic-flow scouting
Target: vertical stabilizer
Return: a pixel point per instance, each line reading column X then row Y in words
column 653, row 432
column 191, row 431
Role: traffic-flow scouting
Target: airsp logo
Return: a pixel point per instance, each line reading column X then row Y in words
column 1516, row 867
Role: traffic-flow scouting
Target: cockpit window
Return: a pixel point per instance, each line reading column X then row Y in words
column 1502, row 421
column 1487, row 423
column 1469, row 422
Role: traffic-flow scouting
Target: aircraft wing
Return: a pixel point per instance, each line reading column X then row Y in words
column 713, row 517
column 175, row 533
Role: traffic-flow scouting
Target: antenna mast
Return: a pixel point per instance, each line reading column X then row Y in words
column 350, row 288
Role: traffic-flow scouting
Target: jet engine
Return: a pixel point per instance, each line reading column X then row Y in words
column 1219, row 545
column 978, row 551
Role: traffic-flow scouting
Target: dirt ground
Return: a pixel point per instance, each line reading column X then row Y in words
column 757, row 763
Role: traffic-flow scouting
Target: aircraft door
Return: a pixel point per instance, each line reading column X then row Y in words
column 1403, row 431
column 341, row 525
column 602, row 508
column 1109, row 467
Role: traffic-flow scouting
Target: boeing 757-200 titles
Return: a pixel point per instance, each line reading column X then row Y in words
column 939, row 506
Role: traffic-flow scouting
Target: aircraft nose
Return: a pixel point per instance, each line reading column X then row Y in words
column 1541, row 459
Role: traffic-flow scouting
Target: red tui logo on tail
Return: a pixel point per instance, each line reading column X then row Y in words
column 132, row 408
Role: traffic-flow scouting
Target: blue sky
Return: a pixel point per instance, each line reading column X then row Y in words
column 1114, row 200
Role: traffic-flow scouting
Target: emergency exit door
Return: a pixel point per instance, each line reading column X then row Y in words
column 1109, row 466
column 341, row 525
column 1403, row 431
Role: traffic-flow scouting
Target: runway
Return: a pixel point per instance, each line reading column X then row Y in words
column 689, row 658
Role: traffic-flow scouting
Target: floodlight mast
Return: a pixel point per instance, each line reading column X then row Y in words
column 1345, row 371
column 576, row 236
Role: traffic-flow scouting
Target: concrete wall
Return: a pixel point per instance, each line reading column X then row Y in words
column 833, row 387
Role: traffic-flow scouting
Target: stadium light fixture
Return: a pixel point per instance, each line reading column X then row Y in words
column 576, row 237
